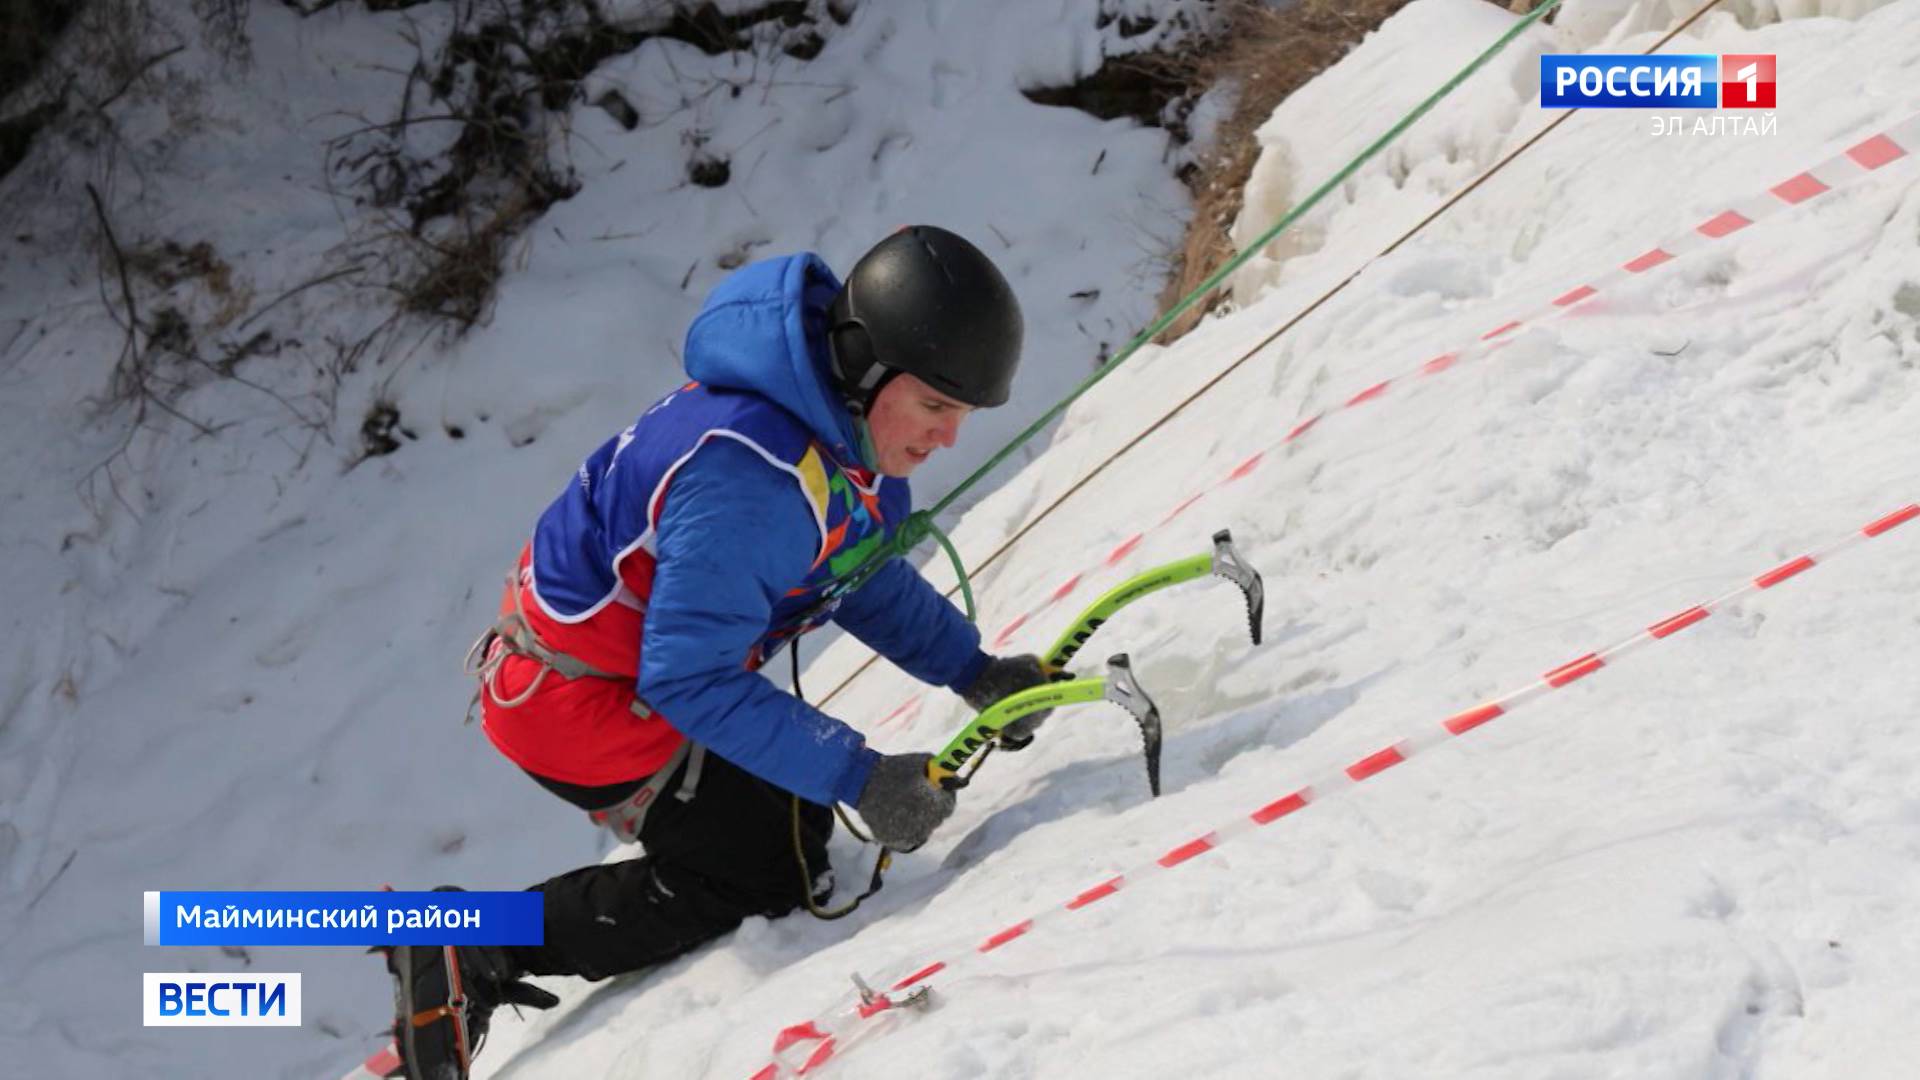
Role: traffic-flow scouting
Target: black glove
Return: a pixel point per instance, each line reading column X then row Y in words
column 900, row 804
column 1004, row 676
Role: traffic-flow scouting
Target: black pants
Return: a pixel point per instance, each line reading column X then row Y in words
column 710, row 862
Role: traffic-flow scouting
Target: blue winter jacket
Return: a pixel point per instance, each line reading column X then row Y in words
column 736, row 534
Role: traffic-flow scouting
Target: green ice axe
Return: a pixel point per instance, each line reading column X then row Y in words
column 1118, row 686
column 1223, row 561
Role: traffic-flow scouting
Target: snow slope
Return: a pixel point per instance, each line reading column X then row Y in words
column 1701, row 861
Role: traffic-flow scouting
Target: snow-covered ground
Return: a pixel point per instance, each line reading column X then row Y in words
column 1701, row 861
column 232, row 661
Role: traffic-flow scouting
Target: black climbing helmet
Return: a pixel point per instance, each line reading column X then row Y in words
column 926, row 302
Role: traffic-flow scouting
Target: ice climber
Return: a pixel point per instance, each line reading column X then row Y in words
column 685, row 553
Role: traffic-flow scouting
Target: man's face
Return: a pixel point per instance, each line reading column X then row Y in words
column 909, row 421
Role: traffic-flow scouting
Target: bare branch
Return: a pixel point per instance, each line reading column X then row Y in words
column 120, row 261
column 145, row 66
column 296, row 290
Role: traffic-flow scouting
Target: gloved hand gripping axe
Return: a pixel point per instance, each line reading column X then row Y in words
column 1118, row 685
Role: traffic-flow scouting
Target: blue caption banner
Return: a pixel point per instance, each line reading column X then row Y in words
column 1629, row 81
column 345, row 918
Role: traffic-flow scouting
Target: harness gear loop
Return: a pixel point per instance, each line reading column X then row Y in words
column 512, row 634
column 627, row 817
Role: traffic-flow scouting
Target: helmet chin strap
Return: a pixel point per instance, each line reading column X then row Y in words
column 864, row 436
column 859, row 402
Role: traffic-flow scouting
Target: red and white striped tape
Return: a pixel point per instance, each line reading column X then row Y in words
column 824, row 1038
column 1860, row 160
column 1899, row 142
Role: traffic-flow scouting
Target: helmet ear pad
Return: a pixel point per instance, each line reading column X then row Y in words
column 857, row 372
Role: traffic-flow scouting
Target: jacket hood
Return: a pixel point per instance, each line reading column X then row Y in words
column 763, row 330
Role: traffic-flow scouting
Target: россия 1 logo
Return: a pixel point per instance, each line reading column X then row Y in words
column 1634, row 81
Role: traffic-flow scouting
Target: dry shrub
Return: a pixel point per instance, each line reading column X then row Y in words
column 507, row 75
column 1264, row 54
column 457, row 270
column 168, row 263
